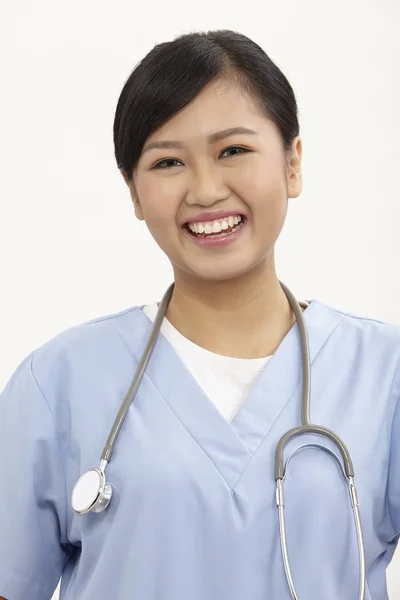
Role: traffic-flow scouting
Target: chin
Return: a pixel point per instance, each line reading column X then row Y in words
column 225, row 272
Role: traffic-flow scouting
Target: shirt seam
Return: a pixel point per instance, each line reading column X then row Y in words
column 102, row 318
column 351, row 315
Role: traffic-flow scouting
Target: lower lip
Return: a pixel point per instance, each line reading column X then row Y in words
column 217, row 242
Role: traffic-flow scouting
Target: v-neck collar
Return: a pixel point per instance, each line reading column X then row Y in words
column 230, row 445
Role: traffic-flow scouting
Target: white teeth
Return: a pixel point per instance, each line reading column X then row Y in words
column 215, row 226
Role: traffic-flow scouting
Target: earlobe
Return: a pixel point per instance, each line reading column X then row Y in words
column 138, row 209
column 296, row 186
column 136, row 204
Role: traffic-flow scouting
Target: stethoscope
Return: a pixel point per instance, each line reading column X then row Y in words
column 91, row 493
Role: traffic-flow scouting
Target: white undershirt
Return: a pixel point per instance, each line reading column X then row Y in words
column 225, row 380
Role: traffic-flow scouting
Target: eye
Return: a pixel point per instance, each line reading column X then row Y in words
column 165, row 161
column 241, row 150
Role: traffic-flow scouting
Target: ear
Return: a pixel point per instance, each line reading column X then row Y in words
column 294, row 172
column 135, row 198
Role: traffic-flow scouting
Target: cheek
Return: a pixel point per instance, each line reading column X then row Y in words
column 264, row 191
column 263, row 176
column 159, row 203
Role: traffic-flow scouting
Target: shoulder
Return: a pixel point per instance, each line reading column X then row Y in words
column 361, row 348
column 363, row 344
column 359, row 339
column 84, row 348
column 86, row 333
column 363, row 324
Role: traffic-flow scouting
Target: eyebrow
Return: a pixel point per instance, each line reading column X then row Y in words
column 214, row 137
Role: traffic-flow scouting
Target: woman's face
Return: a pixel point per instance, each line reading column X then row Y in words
column 245, row 173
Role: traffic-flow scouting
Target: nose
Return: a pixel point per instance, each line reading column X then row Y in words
column 206, row 186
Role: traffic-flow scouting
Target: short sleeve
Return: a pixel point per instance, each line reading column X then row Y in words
column 33, row 548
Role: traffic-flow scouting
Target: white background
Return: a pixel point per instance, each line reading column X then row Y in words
column 71, row 248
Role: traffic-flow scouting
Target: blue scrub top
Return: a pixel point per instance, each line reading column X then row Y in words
column 193, row 514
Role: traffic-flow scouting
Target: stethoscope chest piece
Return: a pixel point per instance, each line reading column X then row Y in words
column 91, row 493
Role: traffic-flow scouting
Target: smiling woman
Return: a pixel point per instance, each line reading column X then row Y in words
column 218, row 137
column 207, row 139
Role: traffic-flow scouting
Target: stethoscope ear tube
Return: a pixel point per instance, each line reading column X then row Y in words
column 317, row 429
column 131, row 393
column 347, row 470
column 308, row 427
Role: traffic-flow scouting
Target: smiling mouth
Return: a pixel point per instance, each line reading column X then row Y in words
column 222, row 233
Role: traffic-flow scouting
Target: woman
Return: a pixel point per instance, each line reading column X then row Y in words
column 207, row 139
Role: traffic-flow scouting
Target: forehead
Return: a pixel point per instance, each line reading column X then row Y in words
column 220, row 105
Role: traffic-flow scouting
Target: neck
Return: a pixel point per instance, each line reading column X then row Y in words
column 245, row 317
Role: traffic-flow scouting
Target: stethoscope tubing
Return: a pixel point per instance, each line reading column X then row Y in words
column 102, row 497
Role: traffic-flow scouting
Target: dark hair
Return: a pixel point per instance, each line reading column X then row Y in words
column 174, row 72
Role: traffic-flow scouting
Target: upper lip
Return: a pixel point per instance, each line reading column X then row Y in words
column 211, row 216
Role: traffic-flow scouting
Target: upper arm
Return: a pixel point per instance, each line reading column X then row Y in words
column 393, row 488
column 32, row 505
